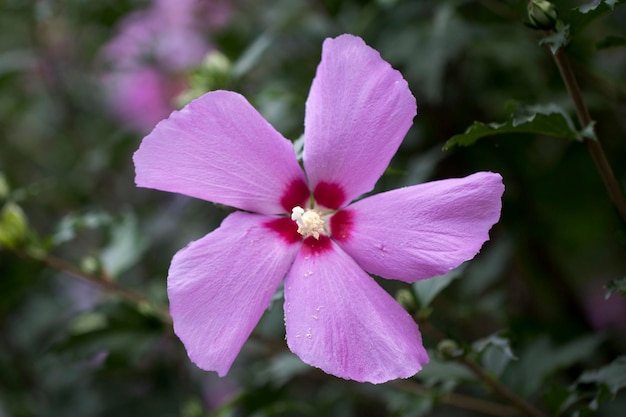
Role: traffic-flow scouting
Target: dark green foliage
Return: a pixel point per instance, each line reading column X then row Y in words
column 541, row 308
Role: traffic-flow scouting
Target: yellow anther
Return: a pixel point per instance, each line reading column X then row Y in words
column 309, row 222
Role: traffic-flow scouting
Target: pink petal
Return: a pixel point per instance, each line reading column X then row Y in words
column 220, row 285
column 421, row 231
column 219, row 148
column 340, row 320
column 358, row 111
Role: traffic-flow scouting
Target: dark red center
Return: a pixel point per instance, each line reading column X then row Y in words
column 314, row 247
column 341, row 224
column 285, row 228
column 295, row 194
column 329, row 195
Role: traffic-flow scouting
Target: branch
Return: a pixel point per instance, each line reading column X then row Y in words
column 102, row 283
column 593, row 145
column 459, row 400
column 496, row 386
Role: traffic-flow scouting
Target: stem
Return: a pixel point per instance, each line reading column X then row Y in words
column 593, row 145
column 459, row 400
column 500, row 389
column 104, row 284
column 495, row 385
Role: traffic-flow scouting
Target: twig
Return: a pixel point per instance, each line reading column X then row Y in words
column 593, row 144
column 105, row 285
column 500, row 389
column 496, row 386
column 459, row 400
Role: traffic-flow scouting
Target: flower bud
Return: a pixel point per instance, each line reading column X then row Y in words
column 449, row 349
column 406, row 299
column 13, row 226
column 4, row 187
column 213, row 74
column 91, row 265
column 542, row 14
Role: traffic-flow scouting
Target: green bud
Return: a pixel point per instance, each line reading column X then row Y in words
column 448, row 349
column 213, row 74
column 406, row 299
column 91, row 265
column 217, row 64
column 542, row 14
column 13, row 226
column 4, row 187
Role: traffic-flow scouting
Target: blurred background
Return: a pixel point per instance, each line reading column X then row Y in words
column 84, row 253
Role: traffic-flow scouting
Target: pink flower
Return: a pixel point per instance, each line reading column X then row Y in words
column 306, row 228
column 165, row 35
column 141, row 97
column 150, row 54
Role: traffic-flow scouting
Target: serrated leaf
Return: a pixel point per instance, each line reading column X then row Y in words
column 495, row 340
column 495, row 353
column 426, row 290
column 557, row 39
column 548, row 120
column 581, row 16
column 616, row 285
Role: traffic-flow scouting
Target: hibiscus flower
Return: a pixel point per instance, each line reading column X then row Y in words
column 306, row 226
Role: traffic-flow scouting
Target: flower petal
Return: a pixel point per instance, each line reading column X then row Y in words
column 219, row 286
column 421, row 231
column 340, row 320
column 358, row 111
column 219, row 148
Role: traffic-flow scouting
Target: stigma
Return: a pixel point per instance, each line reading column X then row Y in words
column 310, row 222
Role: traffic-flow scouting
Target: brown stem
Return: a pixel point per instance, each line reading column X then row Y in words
column 459, row 400
column 500, row 389
column 106, row 285
column 496, row 386
column 593, row 144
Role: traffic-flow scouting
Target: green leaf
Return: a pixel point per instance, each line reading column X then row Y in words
column 542, row 358
column 125, row 248
column 548, row 120
column 117, row 329
column 595, row 386
column 71, row 224
column 613, row 376
column 495, row 353
column 4, row 186
column 13, row 226
column 252, row 55
column 581, row 16
column 437, row 371
column 616, row 285
column 557, row 39
column 426, row 290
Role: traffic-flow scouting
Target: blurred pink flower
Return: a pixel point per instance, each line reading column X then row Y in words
column 141, row 97
column 306, row 228
column 149, row 55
